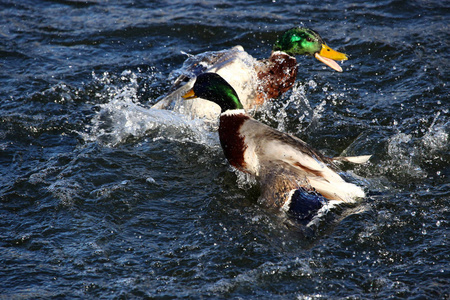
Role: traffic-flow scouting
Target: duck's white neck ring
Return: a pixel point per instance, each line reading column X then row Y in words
column 231, row 112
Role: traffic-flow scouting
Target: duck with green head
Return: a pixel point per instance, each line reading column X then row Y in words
column 294, row 177
column 254, row 81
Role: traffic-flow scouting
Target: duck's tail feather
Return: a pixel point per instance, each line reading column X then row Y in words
column 353, row 159
column 337, row 190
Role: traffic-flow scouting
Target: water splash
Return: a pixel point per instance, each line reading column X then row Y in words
column 293, row 107
column 408, row 152
column 123, row 117
column 245, row 181
column 437, row 136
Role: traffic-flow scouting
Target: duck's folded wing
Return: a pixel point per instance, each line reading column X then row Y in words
column 304, row 162
column 277, row 182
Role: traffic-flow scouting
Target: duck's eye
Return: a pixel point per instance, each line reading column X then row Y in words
column 308, row 39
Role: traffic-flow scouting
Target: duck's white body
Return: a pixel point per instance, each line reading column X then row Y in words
column 235, row 65
column 281, row 162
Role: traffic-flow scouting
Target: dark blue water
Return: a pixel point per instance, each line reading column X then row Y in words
column 102, row 197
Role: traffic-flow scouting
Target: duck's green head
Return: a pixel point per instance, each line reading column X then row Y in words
column 213, row 87
column 305, row 41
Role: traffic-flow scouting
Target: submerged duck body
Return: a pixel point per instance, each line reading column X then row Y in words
column 255, row 81
column 294, row 177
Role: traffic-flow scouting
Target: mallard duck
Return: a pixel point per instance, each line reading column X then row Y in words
column 254, row 81
column 293, row 176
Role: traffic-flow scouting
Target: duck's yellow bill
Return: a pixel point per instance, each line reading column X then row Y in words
column 189, row 94
column 332, row 54
column 328, row 57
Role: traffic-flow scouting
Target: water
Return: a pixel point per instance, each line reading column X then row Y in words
column 102, row 197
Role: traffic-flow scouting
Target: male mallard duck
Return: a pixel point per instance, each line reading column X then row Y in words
column 293, row 176
column 254, row 81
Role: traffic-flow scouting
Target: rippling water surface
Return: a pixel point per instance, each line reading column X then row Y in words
column 102, row 197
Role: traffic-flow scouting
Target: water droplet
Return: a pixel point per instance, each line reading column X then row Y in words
column 150, row 180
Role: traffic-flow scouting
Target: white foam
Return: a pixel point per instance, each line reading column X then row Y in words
column 122, row 117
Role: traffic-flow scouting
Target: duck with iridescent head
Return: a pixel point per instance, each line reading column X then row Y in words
column 255, row 81
column 293, row 176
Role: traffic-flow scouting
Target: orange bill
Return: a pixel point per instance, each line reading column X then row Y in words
column 328, row 57
column 189, row 94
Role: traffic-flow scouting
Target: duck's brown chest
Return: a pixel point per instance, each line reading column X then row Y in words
column 231, row 139
column 278, row 75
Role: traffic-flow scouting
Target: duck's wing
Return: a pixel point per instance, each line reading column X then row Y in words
column 298, row 160
column 234, row 65
column 192, row 67
column 282, row 188
column 277, row 181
